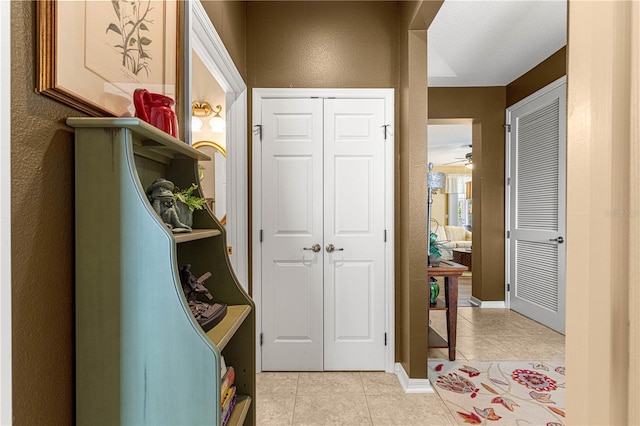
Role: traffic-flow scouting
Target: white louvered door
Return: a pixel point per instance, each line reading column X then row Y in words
column 537, row 206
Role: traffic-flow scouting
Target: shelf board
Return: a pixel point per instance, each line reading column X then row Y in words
column 240, row 411
column 196, row 234
column 152, row 137
column 440, row 306
column 435, row 340
column 224, row 331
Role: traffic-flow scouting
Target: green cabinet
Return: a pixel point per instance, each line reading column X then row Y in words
column 141, row 358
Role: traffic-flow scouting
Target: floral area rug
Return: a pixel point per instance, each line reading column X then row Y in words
column 501, row 393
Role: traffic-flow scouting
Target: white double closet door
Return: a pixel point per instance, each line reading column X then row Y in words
column 323, row 207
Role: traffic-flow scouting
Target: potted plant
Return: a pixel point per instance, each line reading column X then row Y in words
column 434, row 250
column 187, row 202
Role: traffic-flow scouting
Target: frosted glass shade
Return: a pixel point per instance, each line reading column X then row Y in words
column 435, row 180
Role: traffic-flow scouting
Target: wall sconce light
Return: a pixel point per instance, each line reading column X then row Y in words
column 201, row 110
column 217, row 123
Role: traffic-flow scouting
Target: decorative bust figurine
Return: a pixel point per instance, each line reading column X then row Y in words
column 161, row 195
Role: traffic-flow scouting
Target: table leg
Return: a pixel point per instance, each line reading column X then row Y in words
column 451, row 296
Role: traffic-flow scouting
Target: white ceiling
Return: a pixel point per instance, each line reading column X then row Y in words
column 448, row 143
column 492, row 43
column 487, row 43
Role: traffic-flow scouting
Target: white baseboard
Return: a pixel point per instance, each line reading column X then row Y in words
column 495, row 304
column 412, row 385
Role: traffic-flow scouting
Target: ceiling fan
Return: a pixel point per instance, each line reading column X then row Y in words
column 467, row 160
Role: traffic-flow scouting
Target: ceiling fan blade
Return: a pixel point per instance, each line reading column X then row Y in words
column 454, row 162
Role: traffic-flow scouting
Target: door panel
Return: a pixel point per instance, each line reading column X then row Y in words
column 537, row 212
column 323, row 183
column 292, row 218
column 354, row 224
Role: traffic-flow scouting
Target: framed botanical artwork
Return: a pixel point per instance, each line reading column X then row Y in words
column 93, row 54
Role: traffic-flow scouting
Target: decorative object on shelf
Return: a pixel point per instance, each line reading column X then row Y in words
column 187, row 202
column 155, row 109
column 160, row 194
column 207, row 315
column 92, row 55
column 201, row 110
column 434, row 248
column 434, row 291
column 435, row 181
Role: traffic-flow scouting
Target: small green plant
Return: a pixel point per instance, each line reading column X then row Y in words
column 187, row 197
column 434, row 245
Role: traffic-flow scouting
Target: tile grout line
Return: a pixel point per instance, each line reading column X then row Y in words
column 295, row 398
column 366, row 400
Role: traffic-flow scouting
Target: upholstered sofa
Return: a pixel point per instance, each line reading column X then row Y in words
column 450, row 237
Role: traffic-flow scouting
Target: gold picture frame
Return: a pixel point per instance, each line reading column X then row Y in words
column 82, row 61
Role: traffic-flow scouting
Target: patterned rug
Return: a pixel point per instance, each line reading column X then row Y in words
column 501, row 393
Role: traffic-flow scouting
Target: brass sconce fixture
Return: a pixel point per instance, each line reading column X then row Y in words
column 201, row 110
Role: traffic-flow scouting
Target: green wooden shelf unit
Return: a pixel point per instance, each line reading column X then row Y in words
column 141, row 357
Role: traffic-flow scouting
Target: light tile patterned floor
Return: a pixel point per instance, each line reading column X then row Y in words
column 376, row 398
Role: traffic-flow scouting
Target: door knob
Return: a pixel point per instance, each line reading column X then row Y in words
column 314, row 248
column 331, row 248
column 559, row 240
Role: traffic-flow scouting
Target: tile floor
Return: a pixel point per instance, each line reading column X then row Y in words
column 376, row 398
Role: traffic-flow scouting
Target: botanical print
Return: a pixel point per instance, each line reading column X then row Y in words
column 104, row 50
column 132, row 25
column 124, row 41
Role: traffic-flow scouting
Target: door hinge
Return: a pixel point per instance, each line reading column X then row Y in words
column 261, row 339
column 508, row 234
column 508, row 127
column 508, row 181
column 508, row 287
column 261, row 235
column 385, row 235
column 385, row 339
column 257, row 130
column 386, row 130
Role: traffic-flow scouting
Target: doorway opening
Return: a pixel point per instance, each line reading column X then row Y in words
column 451, row 152
column 278, row 116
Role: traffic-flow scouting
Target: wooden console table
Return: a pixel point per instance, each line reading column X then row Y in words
column 450, row 271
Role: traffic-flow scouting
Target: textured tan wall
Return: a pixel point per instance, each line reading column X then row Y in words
column 548, row 71
column 42, row 239
column 486, row 106
column 322, row 44
column 411, row 191
column 229, row 19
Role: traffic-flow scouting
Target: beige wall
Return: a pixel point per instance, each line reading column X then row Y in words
column 205, row 88
column 486, row 106
column 603, row 242
column 41, row 238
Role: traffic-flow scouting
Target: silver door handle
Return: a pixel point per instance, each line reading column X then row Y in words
column 314, row 248
column 559, row 240
column 331, row 248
